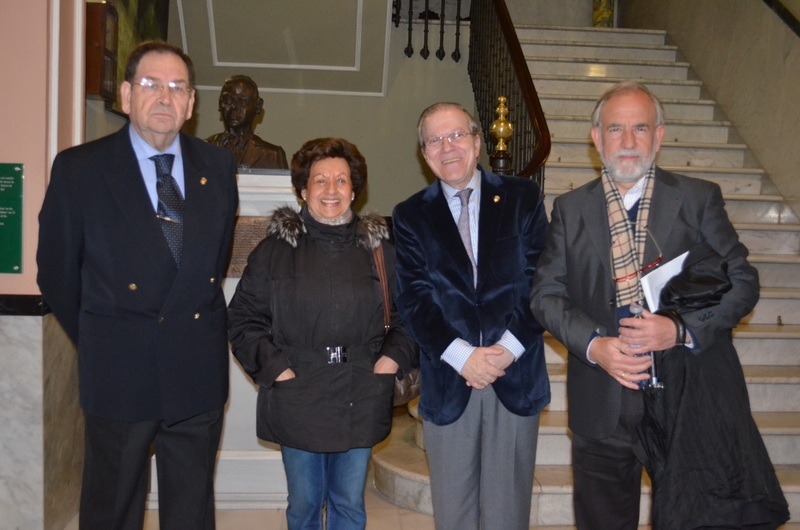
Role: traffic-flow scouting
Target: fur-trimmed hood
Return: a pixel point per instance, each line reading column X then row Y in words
column 287, row 224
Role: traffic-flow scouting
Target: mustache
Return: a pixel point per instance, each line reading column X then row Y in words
column 627, row 153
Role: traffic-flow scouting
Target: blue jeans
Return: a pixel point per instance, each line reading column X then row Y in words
column 334, row 481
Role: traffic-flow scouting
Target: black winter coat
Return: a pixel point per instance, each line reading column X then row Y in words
column 307, row 287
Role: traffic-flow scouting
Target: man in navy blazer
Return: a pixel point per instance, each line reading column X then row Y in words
column 463, row 287
column 148, row 319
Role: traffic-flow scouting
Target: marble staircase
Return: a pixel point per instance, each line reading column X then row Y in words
column 571, row 67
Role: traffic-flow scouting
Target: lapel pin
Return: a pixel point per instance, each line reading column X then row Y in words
column 203, row 181
column 496, row 198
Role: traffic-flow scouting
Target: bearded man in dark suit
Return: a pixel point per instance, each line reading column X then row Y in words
column 603, row 237
column 135, row 234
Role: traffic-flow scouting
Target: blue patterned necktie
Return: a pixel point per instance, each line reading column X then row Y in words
column 463, row 227
column 170, row 205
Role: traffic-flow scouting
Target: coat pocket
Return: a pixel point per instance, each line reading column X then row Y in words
column 331, row 408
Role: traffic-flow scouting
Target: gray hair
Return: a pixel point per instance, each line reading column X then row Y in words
column 626, row 87
column 474, row 126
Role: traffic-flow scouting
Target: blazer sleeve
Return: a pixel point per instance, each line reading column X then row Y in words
column 417, row 297
column 533, row 235
column 709, row 324
column 59, row 253
column 550, row 302
column 397, row 344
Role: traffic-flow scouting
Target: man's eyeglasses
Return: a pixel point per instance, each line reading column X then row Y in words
column 151, row 86
column 647, row 268
column 453, row 138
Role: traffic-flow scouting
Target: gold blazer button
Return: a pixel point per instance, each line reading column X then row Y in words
column 196, row 316
column 132, row 286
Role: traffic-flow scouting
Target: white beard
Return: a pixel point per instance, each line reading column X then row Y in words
column 628, row 171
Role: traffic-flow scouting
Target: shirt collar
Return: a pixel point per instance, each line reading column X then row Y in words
column 474, row 183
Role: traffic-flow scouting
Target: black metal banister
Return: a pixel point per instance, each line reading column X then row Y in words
column 497, row 67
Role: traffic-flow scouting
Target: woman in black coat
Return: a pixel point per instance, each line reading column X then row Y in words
column 307, row 324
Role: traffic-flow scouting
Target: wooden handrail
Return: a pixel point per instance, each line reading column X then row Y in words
column 497, row 67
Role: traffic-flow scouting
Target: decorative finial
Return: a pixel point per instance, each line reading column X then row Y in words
column 501, row 131
column 501, row 128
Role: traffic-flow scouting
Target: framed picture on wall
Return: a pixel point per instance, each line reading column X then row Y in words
column 135, row 21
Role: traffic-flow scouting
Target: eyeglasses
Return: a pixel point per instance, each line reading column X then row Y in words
column 647, row 268
column 437, row 142
column 151, row 87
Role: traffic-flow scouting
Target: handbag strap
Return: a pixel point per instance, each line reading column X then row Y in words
column 381, row 266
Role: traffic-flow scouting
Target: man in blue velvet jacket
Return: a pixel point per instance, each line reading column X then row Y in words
column 463, row 281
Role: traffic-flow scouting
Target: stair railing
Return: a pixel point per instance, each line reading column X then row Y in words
column 497, row 67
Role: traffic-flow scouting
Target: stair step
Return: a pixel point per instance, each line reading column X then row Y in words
column 579, row 105
column 777, row 305
column 589, row 67
column 586, row 50
column 596, row 86
column 780, row 431
column 555, row 493
column 770, row 238
column 741, row 208
column 776, row 270
column 561, row 177
column 771, row 388
column 636, row 37
column 402, row 476
column 687, row 131
column 690, row 154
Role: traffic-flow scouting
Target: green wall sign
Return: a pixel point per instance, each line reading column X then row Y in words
column 11, row 218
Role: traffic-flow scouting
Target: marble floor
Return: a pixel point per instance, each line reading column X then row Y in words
column 381, row 515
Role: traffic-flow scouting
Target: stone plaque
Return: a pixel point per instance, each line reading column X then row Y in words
column 247, row 233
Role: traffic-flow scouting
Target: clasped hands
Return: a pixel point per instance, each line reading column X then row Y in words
column 637, row 336
column 485, row 365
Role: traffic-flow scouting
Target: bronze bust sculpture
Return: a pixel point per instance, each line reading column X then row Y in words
column 240, row 104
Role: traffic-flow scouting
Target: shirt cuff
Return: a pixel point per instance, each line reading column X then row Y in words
column 691, row 340
column 595, row 335
column 512, row 344
column 457, row 353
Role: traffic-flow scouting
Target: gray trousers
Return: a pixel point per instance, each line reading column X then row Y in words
column 482, row 467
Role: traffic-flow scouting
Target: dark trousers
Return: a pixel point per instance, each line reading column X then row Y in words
column 607, row 474
column 116, row 472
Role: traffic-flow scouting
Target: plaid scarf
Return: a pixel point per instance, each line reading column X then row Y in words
column 627, row 244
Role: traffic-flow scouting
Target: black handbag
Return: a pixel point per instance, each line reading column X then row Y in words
column 406, row 388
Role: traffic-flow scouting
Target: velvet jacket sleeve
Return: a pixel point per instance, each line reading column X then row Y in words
column 417, row 295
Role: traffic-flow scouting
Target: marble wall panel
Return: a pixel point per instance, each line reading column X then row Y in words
column 21, row 435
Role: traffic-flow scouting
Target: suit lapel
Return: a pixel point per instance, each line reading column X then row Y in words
column 437, row 212
column 493, row 201
column 198, row 216
column 126, row 185
column 668, row 198
column 595, row 221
